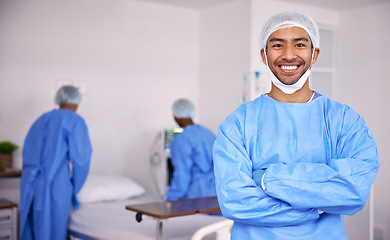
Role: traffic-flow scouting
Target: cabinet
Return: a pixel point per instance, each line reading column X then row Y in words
column 323, row 72
column 8, row 220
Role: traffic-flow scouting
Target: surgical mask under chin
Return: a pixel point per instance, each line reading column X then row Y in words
column 288, row 89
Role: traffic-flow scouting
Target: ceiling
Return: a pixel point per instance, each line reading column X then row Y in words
column 329, row 4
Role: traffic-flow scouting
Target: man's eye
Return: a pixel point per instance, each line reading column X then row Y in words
column 277, row 45
column 301, row 45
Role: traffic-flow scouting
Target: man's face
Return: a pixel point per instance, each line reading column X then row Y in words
column 289, row 54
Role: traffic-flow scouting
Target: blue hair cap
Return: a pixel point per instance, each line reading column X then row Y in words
column 183, row 108
column 279, row 20
column 68, row 95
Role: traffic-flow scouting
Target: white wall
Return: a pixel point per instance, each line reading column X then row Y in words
column 225, row 56
column 363, row 83
column 135, row 59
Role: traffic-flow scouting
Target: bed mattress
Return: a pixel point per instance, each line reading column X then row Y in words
column 110, row 220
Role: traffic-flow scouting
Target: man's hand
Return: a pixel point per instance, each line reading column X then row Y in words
column 258, row 176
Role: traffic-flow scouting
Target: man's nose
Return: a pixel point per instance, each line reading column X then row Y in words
column 289, row 53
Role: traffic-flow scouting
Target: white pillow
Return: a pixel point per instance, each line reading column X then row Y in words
column 99, row 188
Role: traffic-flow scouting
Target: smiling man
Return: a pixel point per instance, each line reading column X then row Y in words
column 292, row 163
column 290, row 54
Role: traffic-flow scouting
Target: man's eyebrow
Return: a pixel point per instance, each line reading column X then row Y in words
column 295, row 39
column 276, row 40
column 301, row 39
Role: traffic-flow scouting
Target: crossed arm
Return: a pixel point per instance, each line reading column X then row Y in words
column 293, row 193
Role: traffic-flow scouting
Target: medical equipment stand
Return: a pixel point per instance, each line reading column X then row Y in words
column 165, row 210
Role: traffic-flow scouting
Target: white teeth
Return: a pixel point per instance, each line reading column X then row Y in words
column 289, row 67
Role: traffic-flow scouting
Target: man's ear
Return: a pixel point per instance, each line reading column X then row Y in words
column 263, row 55
column 315, row 55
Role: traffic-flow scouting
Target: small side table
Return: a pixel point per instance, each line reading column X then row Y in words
column 8, row 220
column 170, row 209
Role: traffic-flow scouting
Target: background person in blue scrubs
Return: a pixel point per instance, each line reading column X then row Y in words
column 191, row 156
column 56, row 159
column 290, row 164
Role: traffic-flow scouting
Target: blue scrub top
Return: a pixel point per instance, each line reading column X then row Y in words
column 48, row 185
column 318, row 155
column 192, row 160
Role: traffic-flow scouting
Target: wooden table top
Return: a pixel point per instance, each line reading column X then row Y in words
column 184, row 207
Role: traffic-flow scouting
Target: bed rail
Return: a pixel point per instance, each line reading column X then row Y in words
column 222, row 230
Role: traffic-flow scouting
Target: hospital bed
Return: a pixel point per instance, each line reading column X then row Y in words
column 103, row 215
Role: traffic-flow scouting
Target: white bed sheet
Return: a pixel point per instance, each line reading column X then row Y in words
column 110, row 220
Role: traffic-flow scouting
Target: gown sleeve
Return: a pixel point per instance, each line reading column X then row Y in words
column 181, row 161
column 240, row 199
column 340, row 187
column 80, row 151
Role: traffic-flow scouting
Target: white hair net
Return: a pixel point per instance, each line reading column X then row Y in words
column 68, row 94
column 293, row 19
column 183, row 108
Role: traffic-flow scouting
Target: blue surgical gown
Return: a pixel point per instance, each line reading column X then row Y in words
column 318, row 155
column 192, row 160
column 48, row 185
